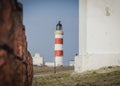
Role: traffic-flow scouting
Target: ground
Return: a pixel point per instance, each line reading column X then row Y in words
column 108, row 76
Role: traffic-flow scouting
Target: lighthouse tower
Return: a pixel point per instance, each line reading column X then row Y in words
column 99, row 35
column 58, row 52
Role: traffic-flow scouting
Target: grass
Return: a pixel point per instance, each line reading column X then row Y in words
column 45, row 69
column 91, row 78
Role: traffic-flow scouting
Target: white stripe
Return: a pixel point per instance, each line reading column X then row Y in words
column 58, row 47
column 59, row 60
column 58, row 36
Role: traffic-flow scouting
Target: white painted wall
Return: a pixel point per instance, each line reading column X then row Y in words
column 103, row 32
column 99, row 34
column 49, row 64
column 38, row 60
column 59, row 61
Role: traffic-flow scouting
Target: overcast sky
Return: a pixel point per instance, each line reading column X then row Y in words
column 40, row 18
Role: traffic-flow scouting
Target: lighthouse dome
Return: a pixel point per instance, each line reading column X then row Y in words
column 59, row 26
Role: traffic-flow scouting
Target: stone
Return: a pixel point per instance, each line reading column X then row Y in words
column 16, row 66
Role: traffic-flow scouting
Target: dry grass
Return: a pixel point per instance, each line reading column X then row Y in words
column 47, row 70
column 91, row 78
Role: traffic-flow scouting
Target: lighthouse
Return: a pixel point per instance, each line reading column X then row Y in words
column 99, row 35
column 58, row 51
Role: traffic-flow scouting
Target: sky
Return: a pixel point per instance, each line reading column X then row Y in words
column 40, row 18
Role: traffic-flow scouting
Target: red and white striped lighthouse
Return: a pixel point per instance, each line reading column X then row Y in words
column 58, row 52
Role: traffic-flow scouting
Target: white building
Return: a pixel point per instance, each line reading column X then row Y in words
column 99, row 34
column 38, row 60
column 49, row 64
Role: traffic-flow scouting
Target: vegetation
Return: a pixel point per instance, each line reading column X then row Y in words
column 47, row 70
column 103, row 77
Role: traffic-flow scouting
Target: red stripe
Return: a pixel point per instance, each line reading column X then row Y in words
column 58, row 40
column 58, row 52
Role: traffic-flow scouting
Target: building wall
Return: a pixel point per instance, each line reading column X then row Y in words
column 38, row 60
column 98, row 34
column 50, row 64
column 103, row 31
